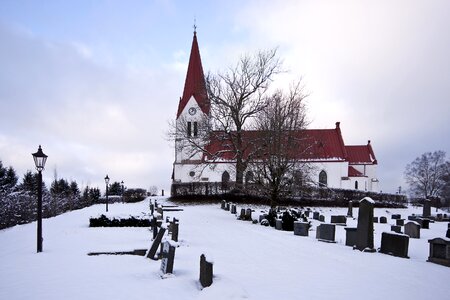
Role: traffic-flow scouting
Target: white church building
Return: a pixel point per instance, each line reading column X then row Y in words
column 334, row 164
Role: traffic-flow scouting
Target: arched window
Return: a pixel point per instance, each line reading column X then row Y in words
column 225, row 180
column 248, row 177
column 298, row 178
column 322, row 178
column 356, row 185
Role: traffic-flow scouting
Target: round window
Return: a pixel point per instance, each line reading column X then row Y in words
column 192, row 173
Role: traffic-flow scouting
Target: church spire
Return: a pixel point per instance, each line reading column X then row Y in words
column 195, row 85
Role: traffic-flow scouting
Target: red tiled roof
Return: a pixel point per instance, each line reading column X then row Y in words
column 195, row 81
column 352, row 172
column 316, row 144
column 361, row 154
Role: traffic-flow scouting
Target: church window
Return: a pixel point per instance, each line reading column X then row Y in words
column 225, row 180
column 189, row 128
column 195, row 129
column 248, row 177
column 322, row 178
column 356, row 185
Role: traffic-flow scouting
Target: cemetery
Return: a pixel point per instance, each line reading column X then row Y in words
column 173, row 255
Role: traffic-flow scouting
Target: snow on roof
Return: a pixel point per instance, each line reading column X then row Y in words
column 367, row 199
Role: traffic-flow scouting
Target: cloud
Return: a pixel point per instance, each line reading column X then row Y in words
column 90, row 119
column 381, row 68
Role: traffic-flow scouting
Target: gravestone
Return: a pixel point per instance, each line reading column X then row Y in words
column 383, row 220
column 394, row 244
column 322, row 218
column 426, row 208
column 222, row 204
column 242, row 215
column 262, row 217
column 375, row 219
column 326, row 233
column 350, row 209
column 301, row 228
column 152, row 252
column 175, row 227
column 306, row 213
column 400, row 222
column 424, row 223
column 227, row 206
column 248, row 214
column 316, row 215
column 233, row 209
column 154, row 226
column 152, row 208
column 160, row 212
column 364, row 238
column 278, row 224
column 396, row 228
column 168, row 256
column 412, row 218
column 206, row 271
column 412, row 229
column 350, row 236
column 396, row 216
column 439, row 251
column 342, row 220
column 439, row 217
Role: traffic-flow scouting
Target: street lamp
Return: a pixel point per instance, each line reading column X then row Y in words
column 107, row 182
column 39, row 160
column 122, row 190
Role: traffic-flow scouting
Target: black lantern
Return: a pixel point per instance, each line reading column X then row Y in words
column 39, row 160
column 107, row 183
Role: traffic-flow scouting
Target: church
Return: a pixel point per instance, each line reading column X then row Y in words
column 335, row 164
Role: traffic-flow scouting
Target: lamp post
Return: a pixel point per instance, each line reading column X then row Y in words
column 122, row 190
column 107, row 183
column 39, row 160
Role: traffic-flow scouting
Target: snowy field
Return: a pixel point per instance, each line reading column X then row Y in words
column 250, row 261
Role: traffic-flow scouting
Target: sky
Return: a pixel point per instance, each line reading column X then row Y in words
column 96, row 83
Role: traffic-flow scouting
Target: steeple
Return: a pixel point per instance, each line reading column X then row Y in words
column 195, row 81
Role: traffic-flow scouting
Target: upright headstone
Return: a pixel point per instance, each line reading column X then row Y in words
column 242, row 215
column 248, row 214
column 326, row 232
column 168, row 256
column 350, row 236
column 152, row 252
column 227, row 206
column 341, row 220
column 206, row 271
column 175, row 227
column 364, row 239
column 396, row 216
column 412, row 229
column 301, row 228
column 350, row 209
column 400, row 222
column 375, row 219
column 152, row 208
column 223, row 203
column 424, row 223
column 278, row 224
column 160, row 212
column 306, row 213
column 316, row 215
column 322, row 218
column 396, row 228
column 233, row 209
column 162, row 193
column 154, row 226
column 426, row 208
column 394, row 244
column 383, row 220
column 439, row 251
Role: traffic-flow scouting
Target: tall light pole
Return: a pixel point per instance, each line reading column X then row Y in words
column 39, row 160
column 107, row 183
column 122, row 190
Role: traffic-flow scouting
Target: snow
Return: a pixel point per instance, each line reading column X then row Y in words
column 368, row 199
column 250, row 261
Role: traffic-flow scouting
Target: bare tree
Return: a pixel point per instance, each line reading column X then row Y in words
column 237, row 96
column 426, row 174
column 281, row 126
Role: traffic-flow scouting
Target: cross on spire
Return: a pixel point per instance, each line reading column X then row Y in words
column 195, row 26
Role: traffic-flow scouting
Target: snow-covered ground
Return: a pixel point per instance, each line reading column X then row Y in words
column 250, row 261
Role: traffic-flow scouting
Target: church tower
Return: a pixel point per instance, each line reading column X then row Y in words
column 192, row 118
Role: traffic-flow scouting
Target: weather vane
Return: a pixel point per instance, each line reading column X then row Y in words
column 195, row 26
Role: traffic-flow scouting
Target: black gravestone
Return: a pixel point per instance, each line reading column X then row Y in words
column 206, row 272
column 152, row 252
column 394, row 244
column 364, row 233
column 168, row 256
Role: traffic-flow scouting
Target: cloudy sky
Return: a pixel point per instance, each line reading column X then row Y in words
column 96, row 82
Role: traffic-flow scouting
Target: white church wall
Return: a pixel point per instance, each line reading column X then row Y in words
column 335, row 171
